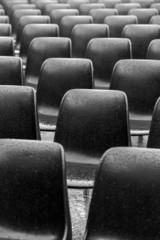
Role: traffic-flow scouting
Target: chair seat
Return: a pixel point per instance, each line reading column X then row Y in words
column 81, row 169
column 140, row 124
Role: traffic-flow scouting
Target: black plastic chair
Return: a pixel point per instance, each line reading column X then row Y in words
column 153, row 51
column 139, row 79
column 34, row 200
column 83, row 33
column 126, row 197
column 40, row 49
column 141, row 35
column 143, row 15
column 11, row 71
column 117, row 23
column 18, row 113
column 99, row 15
column 32, row 31
column 6, row 46
column 68, row 22
column 123, row 8
column 56, row 15
column 104, row 53
column 57, row 76
column 89, row 122
column 29, row 20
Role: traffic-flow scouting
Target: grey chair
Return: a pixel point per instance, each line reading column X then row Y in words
column 153, row 51
column 85, row 8
column 143, row 15
column 123, row 8
column 58, row 14
column 99, row 15
column 6, row 46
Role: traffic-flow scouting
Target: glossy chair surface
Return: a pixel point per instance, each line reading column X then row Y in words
column 118, row 22
column 83, row 33
column 123, row 8
column 57, row 76
column 141, row 35
column 99, row 15
column 139, row 79
column 34, row 200
column 40, row 49
column 143, row 15
column 85, row 8
column 58, row 14
column 6, row 46
column 18, row 113
column 11, row 70
column 153, row 51
column 104, row 53
column 32, row 31
column 125, row 202
column 89, row 122
column 25, row 20
column 68, row 22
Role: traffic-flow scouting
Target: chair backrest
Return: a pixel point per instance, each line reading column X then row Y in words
column 75, row 4
column 123, row 8
column 68, row 22
column 42, row 48
column 91, row 121
column 20, row 6
column 11, row 71
column 4, row 19
column 40, row 4
column 5, row 29
column 29, row 20
column 20, row 13
column 141, row 35
column 32, row 31
column 18, row 113
column 48, row 8
column 117, row 23
column 99, row 15
column 104, row 53
column 85, row 8
column 109, row 3
column 153, row 51
column 143, row 3
column 34, row 200
column 83, row 33
column 155, row 20
column 143, row 15
column 154, row 133
column 56, row 15
column 57, row 76
column 6, row 46
column 126, row 197
column 156, row 6
column 139, row 79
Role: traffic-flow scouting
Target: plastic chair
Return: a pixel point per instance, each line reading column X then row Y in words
column 83, row 33
column 139, row 79
column 31, row 204
column 75, row 4
column 99, row 15
column 126, row 198
column 68, row 22
column 4, row 19
column 141, row 35
column 40, row 4
column 6, row 46
column 117, row 23
column 18, row 113
column 20, row 13
column 85, row 8
column 58, row 14
column 40, row 49
column 143, row 3
column 5, row 29
column 57, row 76
column 143, row 14
column 153, row 51
column 109, row 3
column 104, row 53
column 11, row 71
column 19, row 7
column 48, row 8
column 155, row 20
column 29, row 20
column 32, row 31
column 7, row 5
column 123, row 8
column 89, row 122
